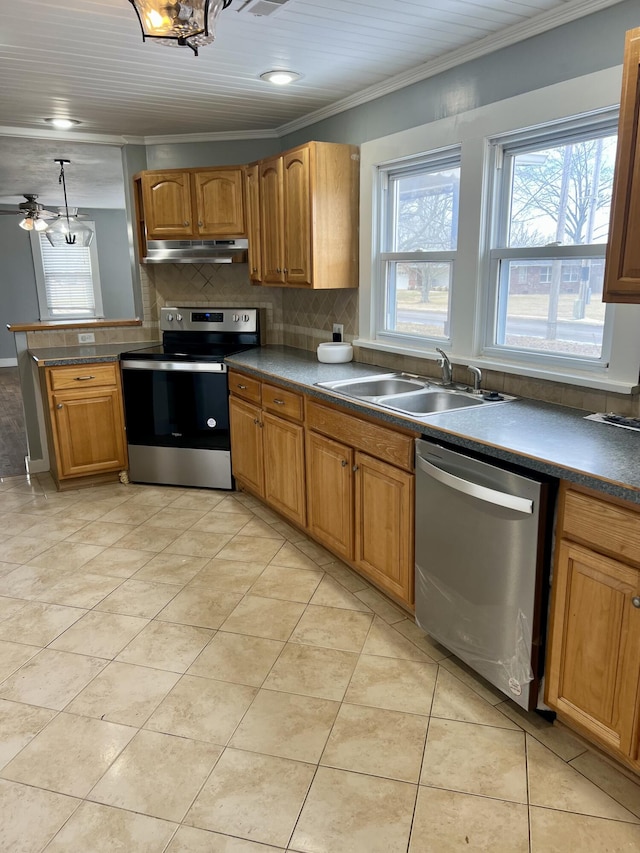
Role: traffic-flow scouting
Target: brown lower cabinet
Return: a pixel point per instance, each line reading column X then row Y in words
column 85, row 423
column 593, row 669
column 346, row 480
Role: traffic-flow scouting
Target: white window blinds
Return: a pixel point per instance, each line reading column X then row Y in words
column 67, row 279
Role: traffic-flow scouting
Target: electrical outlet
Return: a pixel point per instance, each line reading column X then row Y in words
column 86, row 338
column 338, row 331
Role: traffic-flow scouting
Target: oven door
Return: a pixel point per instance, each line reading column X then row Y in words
column 177, row 418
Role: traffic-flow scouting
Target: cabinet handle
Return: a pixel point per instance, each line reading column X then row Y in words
column 59, row 406
column 83, row 378
column 278, row 270
column 344, row 463
column 279, row 402
column 355, row 468
column 256, row 421
column 242, row 387
column 200, row 224
column 285, row 271
column 255, row 269
column 186, row 222
column 636, row 600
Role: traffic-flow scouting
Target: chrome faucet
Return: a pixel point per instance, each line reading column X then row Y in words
column 445, row 364
column 477, row 377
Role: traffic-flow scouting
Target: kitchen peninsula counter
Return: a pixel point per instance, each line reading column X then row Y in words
column 86, row 354
column 545, row 437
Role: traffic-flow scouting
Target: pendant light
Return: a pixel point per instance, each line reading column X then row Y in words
column 179, row 23
column 67, row 229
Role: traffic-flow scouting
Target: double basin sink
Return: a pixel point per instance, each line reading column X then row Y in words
column 412, row 395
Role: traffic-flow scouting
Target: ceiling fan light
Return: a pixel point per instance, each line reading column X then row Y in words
column 40, row 224
column 26, row 223
column 179, row 23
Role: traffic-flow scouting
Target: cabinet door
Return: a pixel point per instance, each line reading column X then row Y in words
column 330, row 493
column 622, row 271
column 284, row 478
column 253, row 223
column 594, row 655
column 89, row 432
column 271, row 219
column 219, row 203
column 246, row 444
column 297, row 218
column 384, row 525
column 167, row 205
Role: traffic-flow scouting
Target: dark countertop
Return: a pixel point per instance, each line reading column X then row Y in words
column 52, row 356
column 551, row 439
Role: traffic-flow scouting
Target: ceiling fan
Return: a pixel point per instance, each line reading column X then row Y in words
column 34, row 214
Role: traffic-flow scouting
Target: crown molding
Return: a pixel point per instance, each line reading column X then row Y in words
column 71, row 136
column 511, row 35
column 222, row 136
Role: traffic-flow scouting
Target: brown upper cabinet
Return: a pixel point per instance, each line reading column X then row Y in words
column 308, row 217
column 622, row 272
column 181, row 204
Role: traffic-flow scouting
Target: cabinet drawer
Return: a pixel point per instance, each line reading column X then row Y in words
column 244, row 386
column 603, row 525
column 378, row 441
column 83, row 376
column 282, row 402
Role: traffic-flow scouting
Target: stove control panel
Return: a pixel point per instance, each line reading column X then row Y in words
column 192, row 319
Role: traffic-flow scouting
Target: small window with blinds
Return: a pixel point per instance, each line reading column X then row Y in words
column 67, row 279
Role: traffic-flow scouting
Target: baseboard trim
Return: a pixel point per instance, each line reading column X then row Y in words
column 8, row 362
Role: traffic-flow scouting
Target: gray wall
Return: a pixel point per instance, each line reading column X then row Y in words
column 18, row 302
column 18, row 296
column 188, row 155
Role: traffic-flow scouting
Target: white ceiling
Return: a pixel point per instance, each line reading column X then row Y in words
column 85, row 59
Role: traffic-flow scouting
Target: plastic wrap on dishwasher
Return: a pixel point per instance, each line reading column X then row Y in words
column 467, row 628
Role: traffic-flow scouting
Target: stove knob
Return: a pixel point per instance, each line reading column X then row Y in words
column 245, row 317
column 170, row 318
column 236, row 319
column 178, row 317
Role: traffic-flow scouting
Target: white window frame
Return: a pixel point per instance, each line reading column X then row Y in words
column 38, row 264
column 431, row 161
column 502, row 152
column 472, row 130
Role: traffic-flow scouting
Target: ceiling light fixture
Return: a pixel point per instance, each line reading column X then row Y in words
column 280, row 78
column 62, row 123
column 33, row 223
column 188, row 23
column 67, row 229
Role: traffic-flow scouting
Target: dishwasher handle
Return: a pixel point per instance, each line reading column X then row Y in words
column 522, row 505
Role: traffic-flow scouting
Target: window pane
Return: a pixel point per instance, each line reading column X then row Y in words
column 562, row 194
column 558, row 309
column 425, row 211
column 417, row 298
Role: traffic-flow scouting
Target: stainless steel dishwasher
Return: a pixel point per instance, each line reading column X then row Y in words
column 483, row 536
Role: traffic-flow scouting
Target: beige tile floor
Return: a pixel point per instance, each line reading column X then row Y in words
column 182, row 671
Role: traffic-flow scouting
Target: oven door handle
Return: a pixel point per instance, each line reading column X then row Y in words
column 184, row 366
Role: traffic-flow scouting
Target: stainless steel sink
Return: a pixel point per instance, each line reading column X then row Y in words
column 376, row 386
column 428, row 402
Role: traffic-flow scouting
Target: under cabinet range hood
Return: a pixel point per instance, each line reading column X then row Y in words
column 196, row 252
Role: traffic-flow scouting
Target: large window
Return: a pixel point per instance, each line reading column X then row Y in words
column 418, row 239
column 67, row 279
column 552, row 198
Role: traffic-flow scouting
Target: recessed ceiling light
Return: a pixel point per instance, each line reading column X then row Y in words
column 62, row 123
column 280, row 78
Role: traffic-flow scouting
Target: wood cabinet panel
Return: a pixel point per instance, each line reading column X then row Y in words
column 384, row 509
column 83, row 376
column 622, row 269
column 594, row 656
column 219, row 202
column 271, row 219
column 246, row 444
column 167, row 204
column 284, row 474
column 280, row 401
column 245, row 386
column 252, row 196
column 298, row 233
column 330, row 502
column 609, row 528
column 379, row 441
column 89, row 433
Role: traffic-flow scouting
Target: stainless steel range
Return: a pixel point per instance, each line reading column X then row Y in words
column 176, row 397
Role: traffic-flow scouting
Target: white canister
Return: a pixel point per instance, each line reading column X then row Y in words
column 335, row 352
